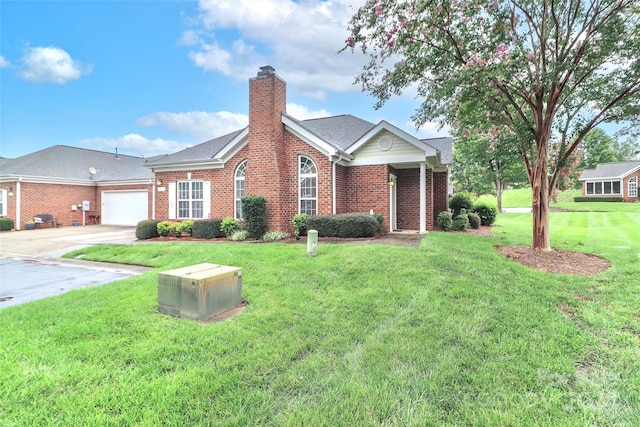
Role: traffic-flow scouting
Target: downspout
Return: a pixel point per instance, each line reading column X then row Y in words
column 423, row 197
column 153, row 199
column 18, row 203
column 333, row 186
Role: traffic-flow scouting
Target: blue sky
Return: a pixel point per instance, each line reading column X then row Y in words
column 152, row 77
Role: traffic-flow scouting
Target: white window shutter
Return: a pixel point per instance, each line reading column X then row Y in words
column 206, row 199
column 172, row 200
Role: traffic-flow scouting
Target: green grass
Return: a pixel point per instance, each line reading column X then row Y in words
column 517, row 198
column 450, row 333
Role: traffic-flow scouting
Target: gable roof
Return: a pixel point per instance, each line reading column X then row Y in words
column 340, row 131
column 610, row 170
column 444, row 146
column 64, row 163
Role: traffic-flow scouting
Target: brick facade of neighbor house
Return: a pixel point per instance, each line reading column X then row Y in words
column 625, row 185
column 613, row 174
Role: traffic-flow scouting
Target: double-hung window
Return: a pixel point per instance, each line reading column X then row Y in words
column 190, row 199
column 3, row 202
column 241, row 171
column 603, row 187
column 308, row 184
column 633, row 187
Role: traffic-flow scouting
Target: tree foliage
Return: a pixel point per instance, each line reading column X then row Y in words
column 536, row 71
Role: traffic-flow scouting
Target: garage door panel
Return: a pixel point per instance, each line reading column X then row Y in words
column 124, row 207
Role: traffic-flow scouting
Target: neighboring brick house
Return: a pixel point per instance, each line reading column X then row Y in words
column 339, row 164
column 612, row 179
column 58, row 179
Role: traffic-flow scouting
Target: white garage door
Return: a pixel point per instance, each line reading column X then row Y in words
column 124, row 207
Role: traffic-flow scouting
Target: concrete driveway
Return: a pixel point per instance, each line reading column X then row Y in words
column 31, row 267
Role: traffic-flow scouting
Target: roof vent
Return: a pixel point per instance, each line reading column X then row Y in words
column 266, row 70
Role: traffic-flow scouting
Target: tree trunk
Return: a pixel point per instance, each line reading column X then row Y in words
column 540, row 205
column 498, row 184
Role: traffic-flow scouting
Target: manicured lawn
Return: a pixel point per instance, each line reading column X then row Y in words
column 450, row 333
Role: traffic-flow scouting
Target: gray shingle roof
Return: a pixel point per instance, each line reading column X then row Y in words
column 340, row 131
column 444, row 145
column 204, row 151
column 71, row 163
column 610, row 170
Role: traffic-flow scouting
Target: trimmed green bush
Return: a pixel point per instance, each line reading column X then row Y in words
column 229, row 226
column 444, row 220
column 474, row 220
column 6, row 224
column 207, row 228
column 486, row 212
column 254, row 209
column 240, row 235
column 164, row 228
column 175, row 229
column 598, row 199
column 461, row 221
column 272, row 236
column 186, row 226
column 300, row 224
column 343, row 225
column 460, row 201
column 380, row 218
column 147, row 230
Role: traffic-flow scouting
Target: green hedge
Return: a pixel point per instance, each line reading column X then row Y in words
column 486, row 212
column 598, row 199
column 147, row 229
column 445, row 220
column 6, row 224
column 254, row 210
column 344, row 225
column 207, row 229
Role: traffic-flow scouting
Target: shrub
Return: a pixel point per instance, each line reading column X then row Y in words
column 343, row 225
column 272, row 236
column 187, row 227
column 380, row 218
column 207, row 228
column 461, row 221
column 175, row 229
column 6, row 224
column 240, row 235
column 254, row 209
column 300, row 224
column 598, row 199
column 474, row 220
column 460, row 201
column 229, row 226
column 445, row 220
column 486, row 212
column 147, row 229
column 163, row 228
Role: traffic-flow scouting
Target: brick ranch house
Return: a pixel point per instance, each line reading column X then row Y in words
column 612, row 179
column 332, row 165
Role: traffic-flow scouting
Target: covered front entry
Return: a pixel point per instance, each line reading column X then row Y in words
column 124, row 207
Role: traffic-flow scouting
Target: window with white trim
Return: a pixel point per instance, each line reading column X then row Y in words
column 308, row 185
column 603, row 187
column 3, row 202
column 190, row 199
column 633, row 187
column 241, row 171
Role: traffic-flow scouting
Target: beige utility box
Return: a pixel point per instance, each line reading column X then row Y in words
column 199, row 291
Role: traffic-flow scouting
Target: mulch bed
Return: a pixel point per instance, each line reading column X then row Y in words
column 560, row 262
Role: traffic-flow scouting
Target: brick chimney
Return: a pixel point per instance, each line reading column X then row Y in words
column 267, row 168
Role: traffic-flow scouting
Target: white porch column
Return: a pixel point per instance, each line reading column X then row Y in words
column 18, row 205
column 423, row 197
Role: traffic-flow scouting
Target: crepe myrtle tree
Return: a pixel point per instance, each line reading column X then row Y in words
column 532, row 68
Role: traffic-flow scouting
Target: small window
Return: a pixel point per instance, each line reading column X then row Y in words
column 241, row 172
column 308, row 186
column 589, row 187
column 633, row 187
column 190, row 199
column 3, row 202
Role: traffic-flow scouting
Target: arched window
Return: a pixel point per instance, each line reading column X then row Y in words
column 239, row 188
column 633, row 187
column 308, row 184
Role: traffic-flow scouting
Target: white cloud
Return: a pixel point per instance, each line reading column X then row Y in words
column 3, row 62
column 200, row 125
column 50, row 65
column 301, row 112
column 430, row 130
column 135, row 144
column 299, row 38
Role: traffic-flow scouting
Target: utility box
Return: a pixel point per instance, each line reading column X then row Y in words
column 199, row 291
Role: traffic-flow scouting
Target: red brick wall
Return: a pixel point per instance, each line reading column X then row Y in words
column 408, row 199
column 342, row 173
column 625, row 187
column 440, row 194
column 367, row 188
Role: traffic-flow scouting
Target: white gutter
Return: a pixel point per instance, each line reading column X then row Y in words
column 18, row 202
